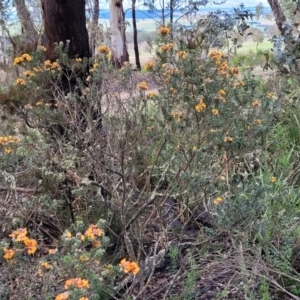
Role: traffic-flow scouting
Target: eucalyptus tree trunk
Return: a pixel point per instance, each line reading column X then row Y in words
column 94, row 26
column 65, row 21
column 135, row 38
column 279, row 15
column 119, row 53
column 29, row 32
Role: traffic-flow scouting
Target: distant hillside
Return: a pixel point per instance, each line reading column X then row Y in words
column 146, row 14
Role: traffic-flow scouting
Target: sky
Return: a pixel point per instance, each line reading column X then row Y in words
column 228, row 3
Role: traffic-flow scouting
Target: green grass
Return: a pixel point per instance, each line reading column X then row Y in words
column 251, row 46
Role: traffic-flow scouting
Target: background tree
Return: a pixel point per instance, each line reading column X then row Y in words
column 135, row 37
column 28, row 29
column 258, row 10
column 163, row 10
column 93, row 10
column 257, row 36
column 119, row 52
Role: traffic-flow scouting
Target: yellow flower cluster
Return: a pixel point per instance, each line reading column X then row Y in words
column 220, row 96
column 44, row 266
column 142, row 86
column 273, row 179
column 169, row 69
column 8, row 150
column 164, row 30
column 218, row 200
column 201, row 105
column 67, row 234
column 178, row 116
column 25, row 57
column 129, row 267
column 20, row 81
column 93, row 232
column 173, row 91
column 103, row 49
column 28, row 73
column 4, row 140
column 258, row 121
column 48, row 65
column 228, row 139
column 151, row 95
column 271, row 96
column 182, row 54
column 215, row 112
column 77, row 283
column 52, row 251
column 149, row 65
column 91, row 235
column 218, row 57
column 255, row 103
column 223, row 68
column 8, row 253
column 238, row 84
column 234, row 71
column 167, row 47
column 20, row 235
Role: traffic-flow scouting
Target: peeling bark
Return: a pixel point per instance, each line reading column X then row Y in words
column 119, row 53
column 94, row 26
column 279, row 15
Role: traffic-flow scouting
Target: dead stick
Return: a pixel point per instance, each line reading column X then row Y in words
column 25, row 190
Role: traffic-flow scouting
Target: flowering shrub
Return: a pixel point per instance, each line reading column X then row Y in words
column 151, row 154
column 80, row 254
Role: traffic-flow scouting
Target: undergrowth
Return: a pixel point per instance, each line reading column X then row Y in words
column 111, row 190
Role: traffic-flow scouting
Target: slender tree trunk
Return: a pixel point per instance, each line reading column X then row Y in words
column 163, row 13
column 65, row 21
column 119, row 53
column 135, row 37
column 29, row 31
column 279, row 15
column 94, row 26
column 171, row 13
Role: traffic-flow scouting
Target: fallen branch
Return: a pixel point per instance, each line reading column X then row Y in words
column 25, row 190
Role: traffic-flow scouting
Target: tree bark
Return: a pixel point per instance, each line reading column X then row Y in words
column 135, row 38
column 29, row 31
column 279, row 15
column 94, row 26
column 119, row 53
column 65, row 20
column 163, row 13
